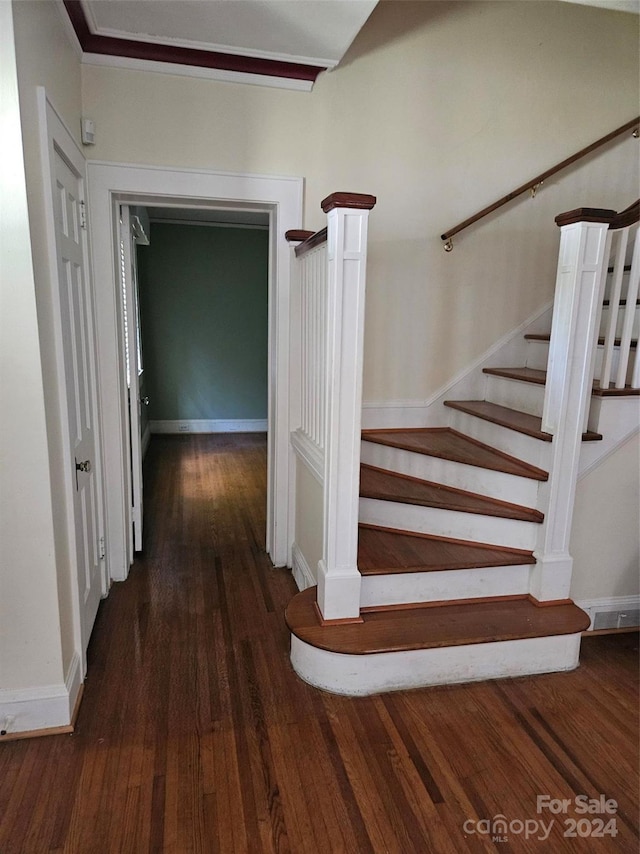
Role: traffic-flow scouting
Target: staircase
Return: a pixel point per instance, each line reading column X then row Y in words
column 451, row 529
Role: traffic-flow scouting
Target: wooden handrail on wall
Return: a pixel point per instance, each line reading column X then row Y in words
column 534, row 183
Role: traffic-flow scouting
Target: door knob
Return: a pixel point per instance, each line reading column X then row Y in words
column 144, row 400
column 84, row 466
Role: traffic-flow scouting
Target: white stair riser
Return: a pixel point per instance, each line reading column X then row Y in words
column 495, row 484
column 359, row 675
column 526, row 397
column 444, row 585
column 604, row 321
column 538, row 354
column 493, row 530
column 519, row 445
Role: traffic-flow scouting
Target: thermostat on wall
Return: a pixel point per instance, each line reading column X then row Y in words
column 88, row 131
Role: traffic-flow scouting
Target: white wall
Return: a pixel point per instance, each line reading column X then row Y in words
column 438, row 109
column 30, row 648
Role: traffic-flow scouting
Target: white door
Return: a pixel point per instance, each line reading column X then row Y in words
column 133, row 364
column 77, row 331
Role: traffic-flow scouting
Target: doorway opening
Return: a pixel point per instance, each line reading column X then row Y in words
column 114, row 185
column 194, row 307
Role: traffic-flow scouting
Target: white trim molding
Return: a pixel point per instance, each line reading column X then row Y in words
column 45, row 707
column 176, row 70
column 111, row 184
column 310, row 454
column 202, row 425
column 302, row 574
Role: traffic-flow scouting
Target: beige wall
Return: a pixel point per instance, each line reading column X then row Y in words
column 44, row 57
column 30, row 652
column 309, row 516
column 606, row 531
column 438, row 109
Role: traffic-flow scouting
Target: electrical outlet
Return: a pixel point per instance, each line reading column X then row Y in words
column 183, row 428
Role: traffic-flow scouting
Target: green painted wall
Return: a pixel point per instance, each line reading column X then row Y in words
column 203, row 298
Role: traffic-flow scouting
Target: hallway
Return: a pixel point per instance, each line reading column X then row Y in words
column 194, row 734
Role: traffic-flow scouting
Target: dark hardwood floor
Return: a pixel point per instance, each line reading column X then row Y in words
column 195, row 735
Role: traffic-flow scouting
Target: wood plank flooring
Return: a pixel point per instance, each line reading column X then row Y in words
column 195, row 735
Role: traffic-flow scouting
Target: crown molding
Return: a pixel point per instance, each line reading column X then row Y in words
column 216, row 65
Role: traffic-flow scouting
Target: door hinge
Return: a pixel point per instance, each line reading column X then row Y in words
column 83, row 215
column 101, row 548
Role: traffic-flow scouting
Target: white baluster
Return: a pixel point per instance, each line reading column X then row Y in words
column 614, row 306
column 629, row 316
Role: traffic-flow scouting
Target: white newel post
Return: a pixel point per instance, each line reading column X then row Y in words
column 578, row 298
column 338, row 575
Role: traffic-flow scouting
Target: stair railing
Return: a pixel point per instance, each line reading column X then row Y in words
column 533, row 184
column 327, row 322
column 586, row 239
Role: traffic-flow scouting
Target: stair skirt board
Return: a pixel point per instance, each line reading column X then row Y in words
column 512, row 533
column 494, row 484
column 404, row 588
column 358, row 675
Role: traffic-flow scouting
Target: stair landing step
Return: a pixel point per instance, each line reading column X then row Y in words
column 433, row 626
column 521, row 422
column 535, row 375
column 446, row 443
column 384, row 551
column 390, row 486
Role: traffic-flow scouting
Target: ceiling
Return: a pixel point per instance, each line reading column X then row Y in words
column 290, row 40
column 284, row 43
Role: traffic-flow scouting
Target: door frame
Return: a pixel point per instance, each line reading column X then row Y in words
column 54, row 135
column 112, row 184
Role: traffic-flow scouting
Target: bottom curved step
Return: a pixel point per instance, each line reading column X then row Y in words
column 412, row 647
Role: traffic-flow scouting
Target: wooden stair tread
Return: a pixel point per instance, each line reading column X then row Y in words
column 390, row 486
column 522, row 422
column 539, row 337
column 528, row 375
column 535, row 375
column 446, row 443
column 384, row 551
column 435, row 626
column 612, row 391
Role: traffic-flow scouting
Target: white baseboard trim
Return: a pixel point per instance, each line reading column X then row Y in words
column 44, row 707
column 249, row 425
column 609, row 604
column 146, row 438
column 302, row 574
column 467, row 383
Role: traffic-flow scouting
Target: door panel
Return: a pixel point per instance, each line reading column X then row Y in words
column 78, row 361
column 133, row 367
